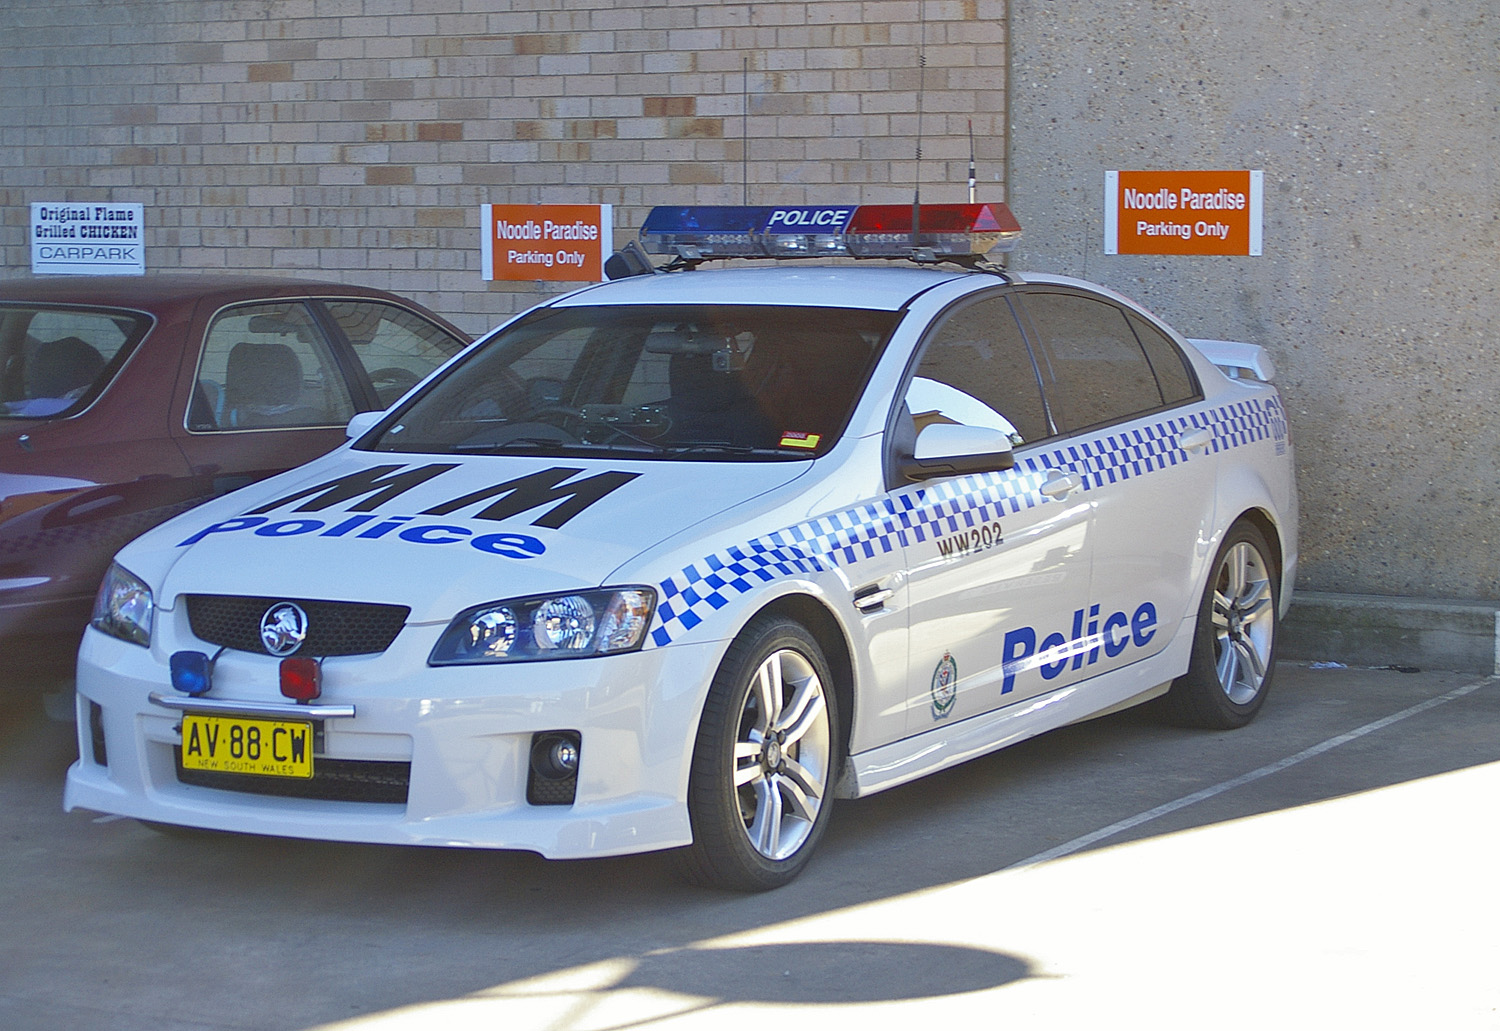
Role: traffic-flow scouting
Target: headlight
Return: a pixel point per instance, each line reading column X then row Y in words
column 123, row 607
column 562, row 626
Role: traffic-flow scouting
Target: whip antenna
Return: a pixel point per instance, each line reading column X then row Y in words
column 745, row 127
column 971, row 161
column 916, row 197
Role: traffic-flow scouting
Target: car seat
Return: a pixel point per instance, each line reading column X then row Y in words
column 263, row 387
column 65, row 367
column 712, row 406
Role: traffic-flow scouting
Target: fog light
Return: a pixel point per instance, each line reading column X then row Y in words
column 301, row 678
column 192, row 672
column 555, row 756
column 553, row 778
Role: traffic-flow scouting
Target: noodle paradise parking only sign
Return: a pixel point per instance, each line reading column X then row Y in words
column 1183, row 212
column 546, row 242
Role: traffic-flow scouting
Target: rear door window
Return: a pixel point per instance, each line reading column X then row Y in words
column 1098, row 370
column 55, row 361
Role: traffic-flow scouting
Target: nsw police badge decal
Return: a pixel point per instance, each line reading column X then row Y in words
column 944, row 687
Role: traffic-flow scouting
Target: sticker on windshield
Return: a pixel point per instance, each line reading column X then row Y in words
column 804, row 440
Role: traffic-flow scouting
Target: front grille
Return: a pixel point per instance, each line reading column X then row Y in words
column 333, row 627
column 333, row 780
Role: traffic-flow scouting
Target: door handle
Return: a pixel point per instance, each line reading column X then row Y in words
column 1196, row 440
column 1059, row 484
column 872, row 598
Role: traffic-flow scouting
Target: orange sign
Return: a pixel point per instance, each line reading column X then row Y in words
column 560, row 243
column 1182, row 212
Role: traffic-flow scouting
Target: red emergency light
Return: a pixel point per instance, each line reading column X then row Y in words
column 301, row 678
column 947, row 230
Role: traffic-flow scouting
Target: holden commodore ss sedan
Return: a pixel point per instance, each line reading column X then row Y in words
column 674, row 561
column 125, row 400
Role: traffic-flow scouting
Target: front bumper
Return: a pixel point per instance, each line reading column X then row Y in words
column 466, row 732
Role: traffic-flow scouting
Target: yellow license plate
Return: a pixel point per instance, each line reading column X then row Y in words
column 237, row 744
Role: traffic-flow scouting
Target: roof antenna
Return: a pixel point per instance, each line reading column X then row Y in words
column 971, row 161
column 745, row 127
column 916, row 198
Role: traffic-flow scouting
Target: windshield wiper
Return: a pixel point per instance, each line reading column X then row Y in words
column 733, row 449
column 553, row 444
column 548, row 442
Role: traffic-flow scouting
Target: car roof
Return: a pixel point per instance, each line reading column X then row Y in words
column 882, row 288
column 152, row 292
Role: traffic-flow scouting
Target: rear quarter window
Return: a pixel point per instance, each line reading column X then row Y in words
column 1173, row 373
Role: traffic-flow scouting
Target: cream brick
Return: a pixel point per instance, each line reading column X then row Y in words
column 629, row 16
column 347, row 123
column 670, row 16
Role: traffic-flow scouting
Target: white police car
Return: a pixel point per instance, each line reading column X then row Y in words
column 678, row 559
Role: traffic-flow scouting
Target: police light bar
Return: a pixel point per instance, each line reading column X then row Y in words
column 709, row 232
column 949, row 230
column 865, row 231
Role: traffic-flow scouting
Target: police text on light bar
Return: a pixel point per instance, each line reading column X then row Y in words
column 861, row 231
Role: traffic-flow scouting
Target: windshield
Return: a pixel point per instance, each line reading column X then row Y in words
column 678, row 381
column 55, row 361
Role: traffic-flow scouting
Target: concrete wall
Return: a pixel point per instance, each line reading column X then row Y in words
column 356, row 139
column 1378, row 128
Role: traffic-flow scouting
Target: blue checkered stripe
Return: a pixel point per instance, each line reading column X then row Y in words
column 918, row 514
column 1248, row 422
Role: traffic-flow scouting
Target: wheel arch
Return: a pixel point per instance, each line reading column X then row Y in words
column 1258, row 495
column 819, row 620
column 1262, row 521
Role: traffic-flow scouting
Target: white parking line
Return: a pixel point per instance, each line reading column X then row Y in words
column 1083, row 842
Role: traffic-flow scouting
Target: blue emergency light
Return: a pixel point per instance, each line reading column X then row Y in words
column 709, row 232
column 192, row 672
column 928, row 232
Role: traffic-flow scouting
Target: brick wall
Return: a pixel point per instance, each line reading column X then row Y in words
column 356, row 139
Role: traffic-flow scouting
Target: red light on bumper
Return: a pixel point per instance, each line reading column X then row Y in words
column 301, row 679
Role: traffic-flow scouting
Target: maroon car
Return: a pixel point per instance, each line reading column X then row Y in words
column 125, row 400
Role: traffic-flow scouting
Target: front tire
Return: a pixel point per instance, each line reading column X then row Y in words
column 765, row 761
column 1234, row 645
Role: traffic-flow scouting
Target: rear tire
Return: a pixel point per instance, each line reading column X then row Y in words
column 765, row 761
column 1234, row 644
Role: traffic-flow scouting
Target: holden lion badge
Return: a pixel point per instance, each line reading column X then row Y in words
column 944, row 687
column 283, row 628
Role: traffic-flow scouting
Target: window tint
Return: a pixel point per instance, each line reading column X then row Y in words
column 1099, row 370
column 396, row 347
column 663, row 381
column 267, row 365
column 976, row 370
column 54, row 361
column 1173, row 375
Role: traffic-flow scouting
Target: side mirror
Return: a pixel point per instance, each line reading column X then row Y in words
column 949, row 449
column 361, row 424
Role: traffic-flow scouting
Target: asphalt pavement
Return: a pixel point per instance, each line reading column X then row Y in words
column 1332, row 865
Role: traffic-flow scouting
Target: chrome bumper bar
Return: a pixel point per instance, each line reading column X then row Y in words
column 291, row 710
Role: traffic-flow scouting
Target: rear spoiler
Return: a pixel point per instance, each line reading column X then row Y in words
column 1237, row 360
